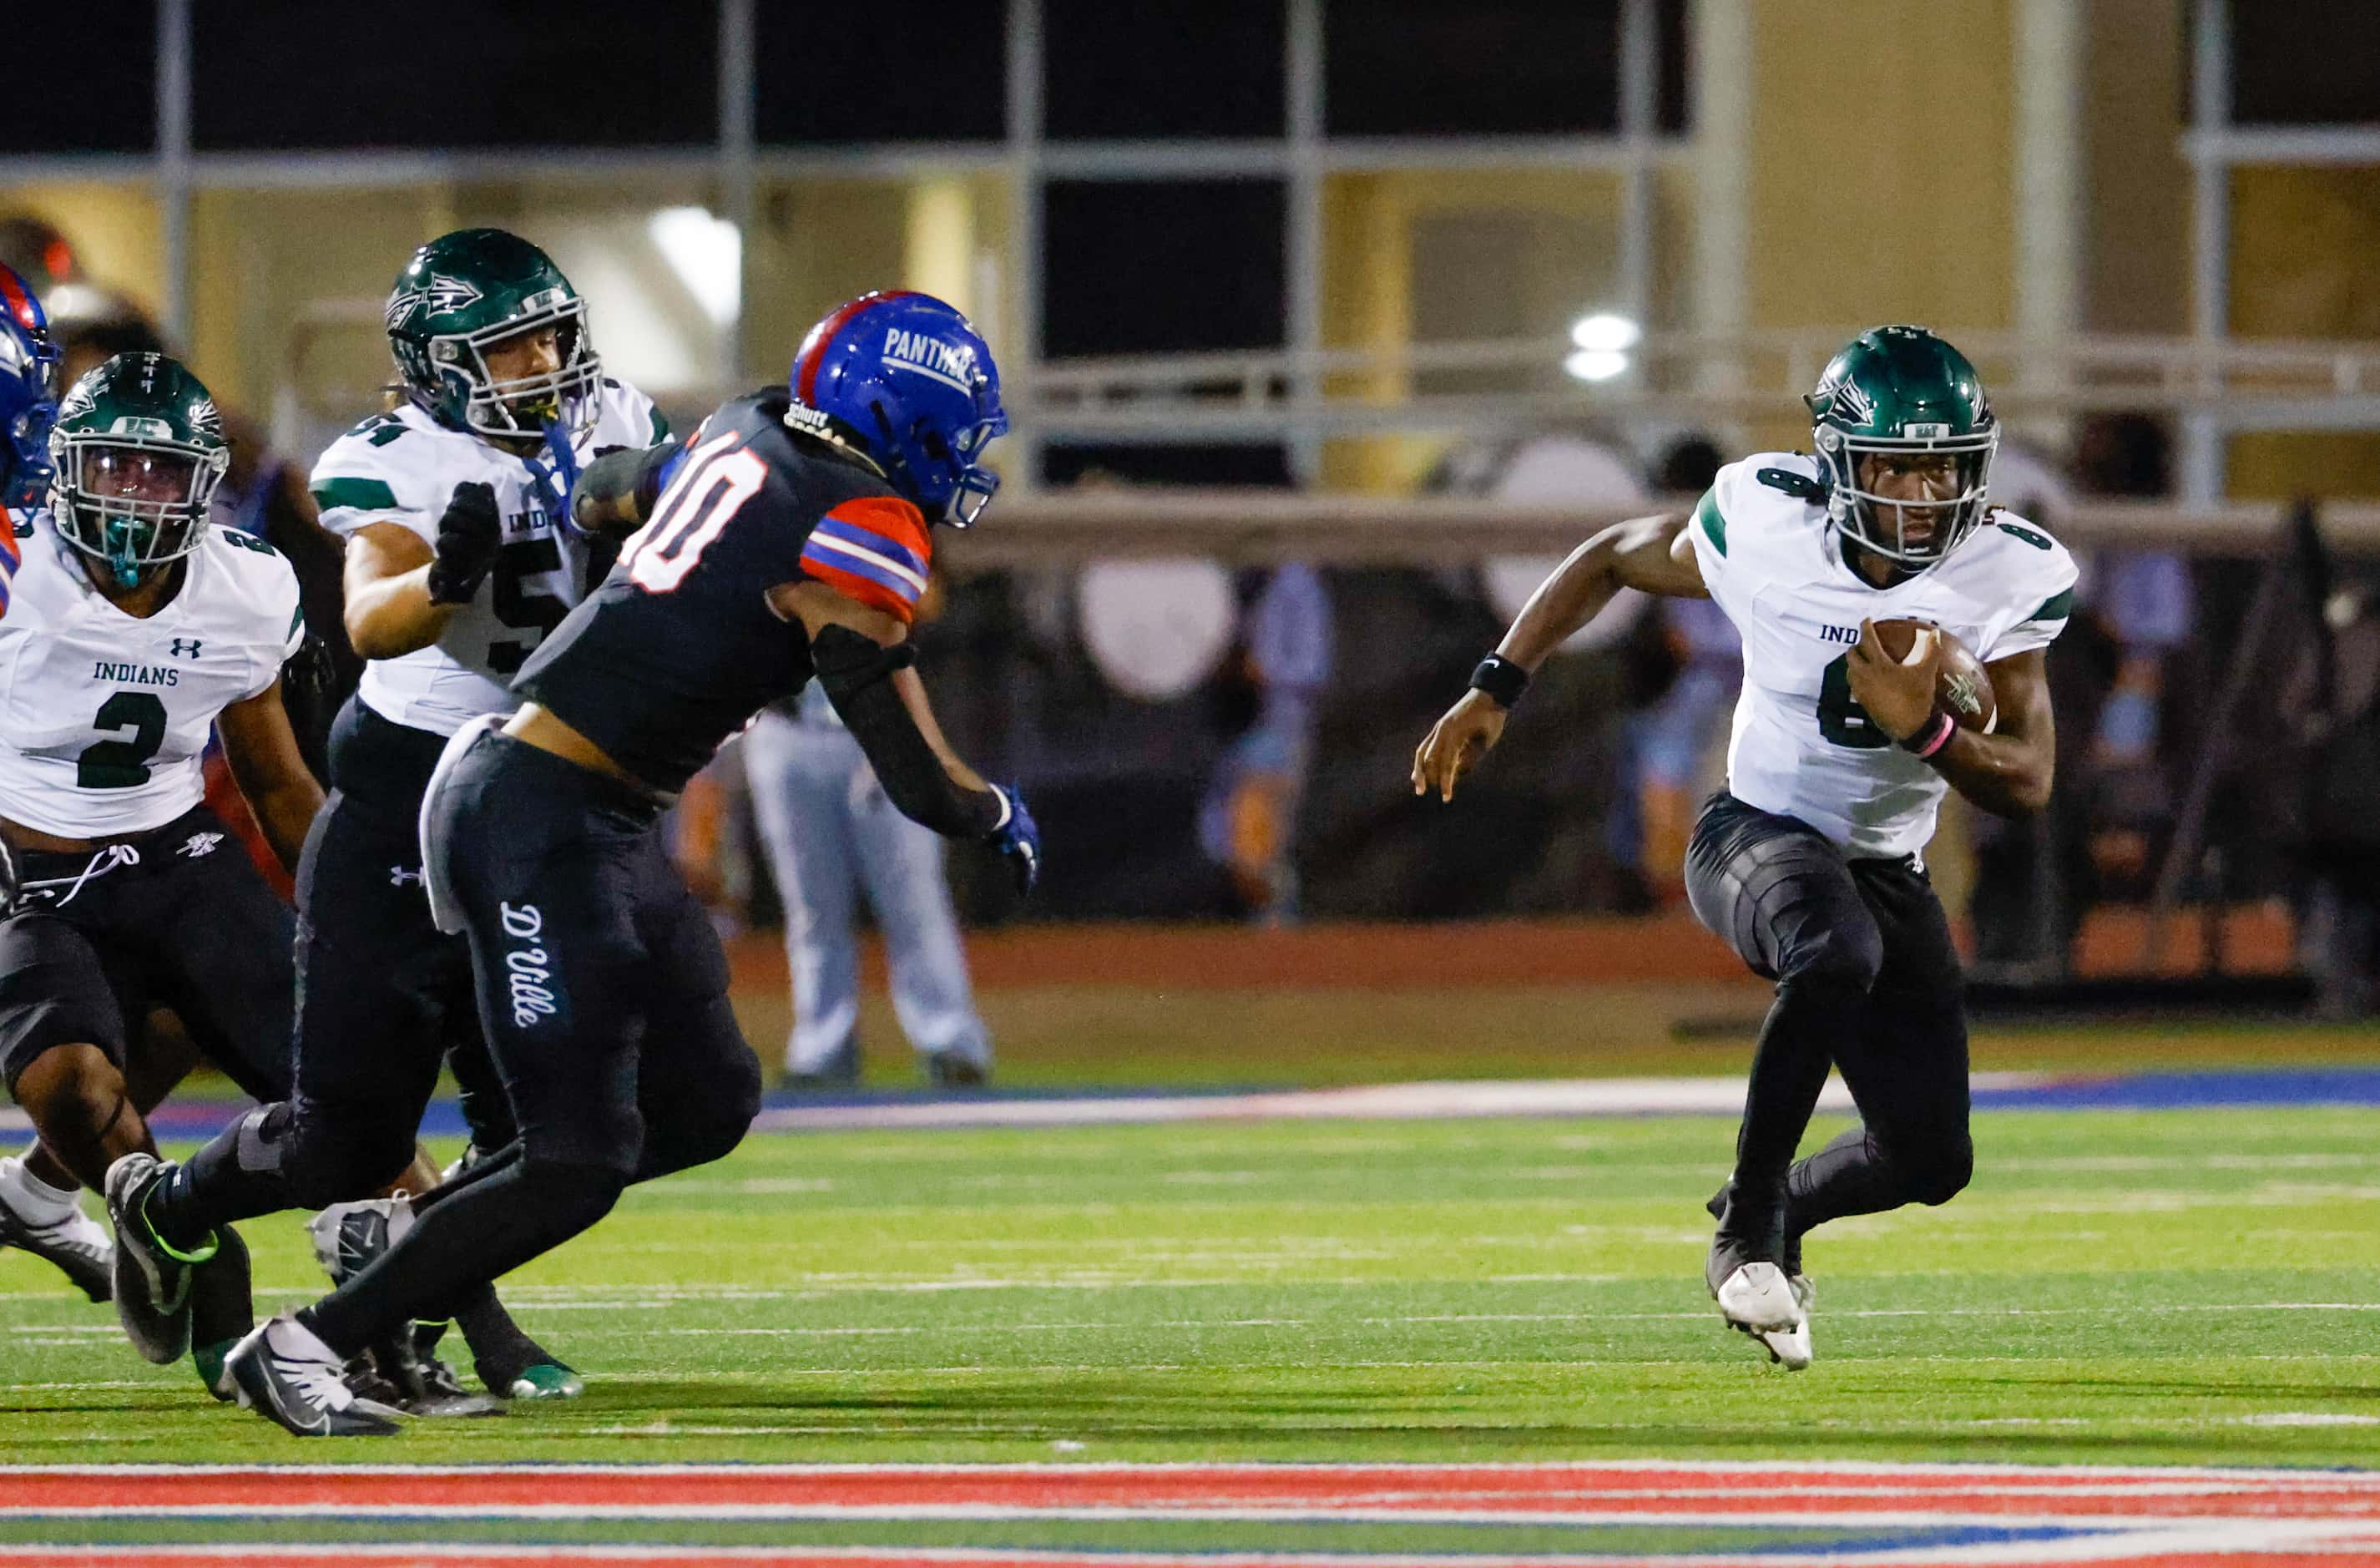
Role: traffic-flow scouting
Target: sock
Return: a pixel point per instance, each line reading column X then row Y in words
column 221, row 1306
column 237, row 1175
column 1846, row 1178
column 32, row 1197
column 1789, row 1068
column 500, row 1350
column 481, row 1231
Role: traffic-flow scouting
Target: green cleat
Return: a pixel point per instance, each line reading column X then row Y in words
column 209, row 1359
column 545, row 1379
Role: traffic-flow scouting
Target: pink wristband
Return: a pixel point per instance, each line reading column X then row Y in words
column 1924, row 745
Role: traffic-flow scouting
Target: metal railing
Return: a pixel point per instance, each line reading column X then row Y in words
column 1674, row 378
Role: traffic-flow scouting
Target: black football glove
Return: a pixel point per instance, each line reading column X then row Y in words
column 468, row 536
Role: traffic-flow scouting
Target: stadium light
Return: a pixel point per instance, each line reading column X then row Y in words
column 1596, row 364
column 707, row 254
column 1603, row 341
column 1604, row 333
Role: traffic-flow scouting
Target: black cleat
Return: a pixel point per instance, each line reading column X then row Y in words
column 836, row 1073
column 287, row 1374
column 77, row 1246
column 420, row 1385
column 949, row 1070
column 151, row 1280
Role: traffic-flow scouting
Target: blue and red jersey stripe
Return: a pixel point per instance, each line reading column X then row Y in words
column 874, row 550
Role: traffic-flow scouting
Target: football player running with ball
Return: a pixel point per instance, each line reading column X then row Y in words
column 129, row 630
column 1809, row 864
column 793, row 542
column 461, row 558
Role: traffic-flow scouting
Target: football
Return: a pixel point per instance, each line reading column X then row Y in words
column 1965, row 686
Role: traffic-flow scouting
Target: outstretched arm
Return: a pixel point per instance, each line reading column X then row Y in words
column 1654, row 554
column 863, row 658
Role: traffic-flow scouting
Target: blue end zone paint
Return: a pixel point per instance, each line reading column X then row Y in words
column 2184, row 1091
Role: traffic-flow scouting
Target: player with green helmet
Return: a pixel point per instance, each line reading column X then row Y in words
column 131, row 634
column 467, row 292
column 1899, row 399
column 139, row 448
column 1810, row 863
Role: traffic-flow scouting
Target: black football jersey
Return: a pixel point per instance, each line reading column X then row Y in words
column 679, row 648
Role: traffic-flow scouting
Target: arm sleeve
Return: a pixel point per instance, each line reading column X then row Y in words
column 857, row 676
column 874, row 550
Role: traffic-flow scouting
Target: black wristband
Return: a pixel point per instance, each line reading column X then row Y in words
column 1501, row 679
column 1930, row 736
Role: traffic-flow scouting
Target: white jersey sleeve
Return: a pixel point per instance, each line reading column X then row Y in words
column 103, row 716
column 402, row 468
column 2017, row 564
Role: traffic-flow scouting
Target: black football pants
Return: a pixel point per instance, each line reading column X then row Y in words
column 603, row 993
column 1867, row 982
column 382, row 998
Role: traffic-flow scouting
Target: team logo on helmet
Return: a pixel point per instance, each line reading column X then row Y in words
column 444, row 294
column 1848, row 401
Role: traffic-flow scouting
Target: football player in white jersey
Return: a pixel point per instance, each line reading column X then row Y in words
column 1809, row 864
column 130, row 630
column 461, row 557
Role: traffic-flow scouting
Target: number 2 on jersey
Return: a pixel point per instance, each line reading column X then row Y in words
column 123, row 764
column 713, row 488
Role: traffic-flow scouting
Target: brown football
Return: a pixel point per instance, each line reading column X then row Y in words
column 1965, row 687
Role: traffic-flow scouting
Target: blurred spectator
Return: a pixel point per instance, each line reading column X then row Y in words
column 40, row 255
column 1673, row 748
column 2339, row 934
column 2034, row 877
column 831, row 837
column 1248, row 821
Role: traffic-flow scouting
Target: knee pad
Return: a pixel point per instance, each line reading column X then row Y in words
column 1848, row 953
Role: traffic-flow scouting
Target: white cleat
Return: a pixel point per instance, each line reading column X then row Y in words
column 1757, row 1297
column 1788, row 1347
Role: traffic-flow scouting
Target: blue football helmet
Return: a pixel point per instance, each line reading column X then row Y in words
column 28, row 395
column 907, row 381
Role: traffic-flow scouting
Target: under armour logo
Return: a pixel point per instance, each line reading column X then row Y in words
column 200, row 844
column 194, row 648
column 398, row 876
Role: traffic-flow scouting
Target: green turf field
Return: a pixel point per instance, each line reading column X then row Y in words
column 2167, row 1286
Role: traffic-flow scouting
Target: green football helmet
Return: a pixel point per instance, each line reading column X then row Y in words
column 465, row 293
column 139, row 449
column 1902, row 393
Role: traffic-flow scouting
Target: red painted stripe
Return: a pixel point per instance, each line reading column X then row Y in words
column 858, row 1557
column 821, row 338
column 1584, row 1491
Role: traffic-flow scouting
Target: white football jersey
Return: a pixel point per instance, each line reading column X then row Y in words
column 104, row 716
column 403, row 468
column 1801, row 746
